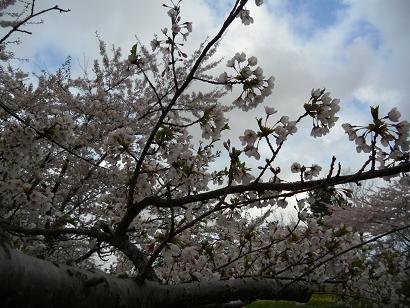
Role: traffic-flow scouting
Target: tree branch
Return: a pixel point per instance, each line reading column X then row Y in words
column 46, row 284
column 130, row 198
column 32, row 15
column 260, row 187
column 131, row 251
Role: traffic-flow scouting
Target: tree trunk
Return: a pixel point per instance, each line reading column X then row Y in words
column 26, row 281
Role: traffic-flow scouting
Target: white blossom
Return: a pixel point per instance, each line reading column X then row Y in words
column 296, row 167
column 249, row 137
column 350, row 131
column 223, row 78
column 316, row 131
column 258, row 72
column 172, row 13
column 246, row 72
column 270, row 110
column 316, row 169
column 245, row 17
column 175, row 28
column 155, row 44
column 252, row 151
column 362, row 146
column 291, row 127
column 230, row 63
column 271, row 81
column 240, row 57
column 301, row 204
column 284, row 119
column 316, row 93
column 326, row 99
column 403, row 127
column 308, row 175
column 394, row 115
column 252, row 61
column 188, row 26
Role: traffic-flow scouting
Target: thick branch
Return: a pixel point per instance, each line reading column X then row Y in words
column 224, row 291
column 260, row 187
column 294, row 186
column 52, row 232
column 122, row 243
column 45, row 284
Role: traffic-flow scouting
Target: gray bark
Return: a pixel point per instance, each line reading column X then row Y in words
column 26, row 281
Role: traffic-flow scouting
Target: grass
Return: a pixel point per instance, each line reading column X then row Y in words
column 317, row 300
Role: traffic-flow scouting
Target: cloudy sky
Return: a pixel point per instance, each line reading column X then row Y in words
column 359, row 50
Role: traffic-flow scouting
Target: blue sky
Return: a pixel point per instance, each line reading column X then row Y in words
column 365, row 30
column 219, row 8
column 49, row 58
column 323, row 13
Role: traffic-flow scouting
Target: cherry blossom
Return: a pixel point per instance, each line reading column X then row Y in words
column 270, row 111
column 132, row 171
column 252, row 61
column 394, row 115
column 249, row 137
column 296, row 167
column 245, row 17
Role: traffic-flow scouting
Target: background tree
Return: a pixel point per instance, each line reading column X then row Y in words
column 106, row 168
column 377, row 209
column 372, row 211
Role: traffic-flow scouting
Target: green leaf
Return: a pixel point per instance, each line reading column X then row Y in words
column 176, row 241
column 340, row 232
column 163, row 134
column 134, row 50
column 375, row 113
column 62, row 221
column 234, row 155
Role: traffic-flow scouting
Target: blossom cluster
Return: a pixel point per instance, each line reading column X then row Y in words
column 245, row 16
column 120, row 140
column 306, row 172
column 322, row 108
column 280, row 131
column 393, row 135
column 251, row 78
column 176, row 29
column 213, row 122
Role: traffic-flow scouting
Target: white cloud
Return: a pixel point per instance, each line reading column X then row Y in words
column 339, row 57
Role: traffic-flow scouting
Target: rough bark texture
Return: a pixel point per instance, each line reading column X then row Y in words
column 26, row 281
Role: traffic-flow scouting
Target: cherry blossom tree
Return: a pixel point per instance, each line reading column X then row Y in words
column 376, row 210
column 105, row 170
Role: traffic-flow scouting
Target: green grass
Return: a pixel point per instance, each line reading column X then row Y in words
column 317, row 300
